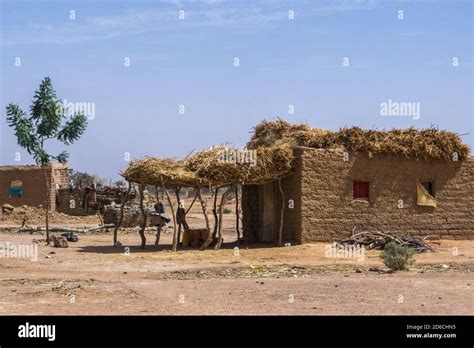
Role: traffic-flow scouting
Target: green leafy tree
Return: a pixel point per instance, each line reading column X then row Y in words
column 120, row 183
column 47, row 120
column 81, row 179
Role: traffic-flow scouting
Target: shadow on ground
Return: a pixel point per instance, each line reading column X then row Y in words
column 109, row 249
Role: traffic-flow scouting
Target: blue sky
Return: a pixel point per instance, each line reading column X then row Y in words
column 190, row 62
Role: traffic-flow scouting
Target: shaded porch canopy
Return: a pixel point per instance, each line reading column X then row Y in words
column 218, row 166
column 156, row 171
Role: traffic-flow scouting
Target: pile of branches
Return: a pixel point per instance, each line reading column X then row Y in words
column 430, row 143
column 378, row 240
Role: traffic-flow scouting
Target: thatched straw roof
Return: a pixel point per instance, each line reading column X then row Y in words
column 428, row 143
column 269, row 154
column 223, row 165
column 159, row 171
column 216, row 167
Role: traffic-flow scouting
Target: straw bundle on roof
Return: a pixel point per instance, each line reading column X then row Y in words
column 223, row 165
column 210, row 165
column 271, row 133
column 272, row 163
column 428, row 143
column 159, row 171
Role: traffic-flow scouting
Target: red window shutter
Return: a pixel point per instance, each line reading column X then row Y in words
column 360, row 189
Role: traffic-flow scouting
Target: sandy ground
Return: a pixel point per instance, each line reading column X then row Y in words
column 92, row 277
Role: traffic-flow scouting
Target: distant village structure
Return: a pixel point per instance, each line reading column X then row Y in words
column 26, row 185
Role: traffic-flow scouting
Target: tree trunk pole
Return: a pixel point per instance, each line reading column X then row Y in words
column 280, row 232
column 158, row 234
column 192, row 203
column 237, row 214
column 143, row 226
column 48, row 200
column 160, row 226
column 122, row 207
column 214, row 211
column 178, row 213
column 157, row 195
column 208, row 225
column 221, row 209
column 175, row 243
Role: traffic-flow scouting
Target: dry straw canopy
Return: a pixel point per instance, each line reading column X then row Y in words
column 269, row 154
column 159, row 172
column 224, row 165
column 272, row 163
column 428, row 143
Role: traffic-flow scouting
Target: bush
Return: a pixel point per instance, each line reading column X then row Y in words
column 227, row 210
column 397, row 257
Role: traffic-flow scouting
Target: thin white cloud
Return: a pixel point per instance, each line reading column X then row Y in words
column 199, row 14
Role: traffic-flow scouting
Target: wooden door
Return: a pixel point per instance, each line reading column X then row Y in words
column 267, row 233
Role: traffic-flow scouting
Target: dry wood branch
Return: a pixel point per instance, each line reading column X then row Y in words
column 221, row 209
column 194, row 200
column 208, row 240
column 214, row 212
column 144, row 216
column 378, row 240
column 122, row 207
column 237, row 213
column 175, row 239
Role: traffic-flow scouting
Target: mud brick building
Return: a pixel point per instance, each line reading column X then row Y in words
column 25, row 184
column 331, row 192
column 308, row 184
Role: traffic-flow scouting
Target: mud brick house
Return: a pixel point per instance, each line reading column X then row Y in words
column 306, row 184
column 25, row 184
column 333, row 190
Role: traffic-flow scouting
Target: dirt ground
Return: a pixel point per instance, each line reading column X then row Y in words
column 93, row 277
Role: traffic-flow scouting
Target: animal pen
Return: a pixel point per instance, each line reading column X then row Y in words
column 337, row 182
